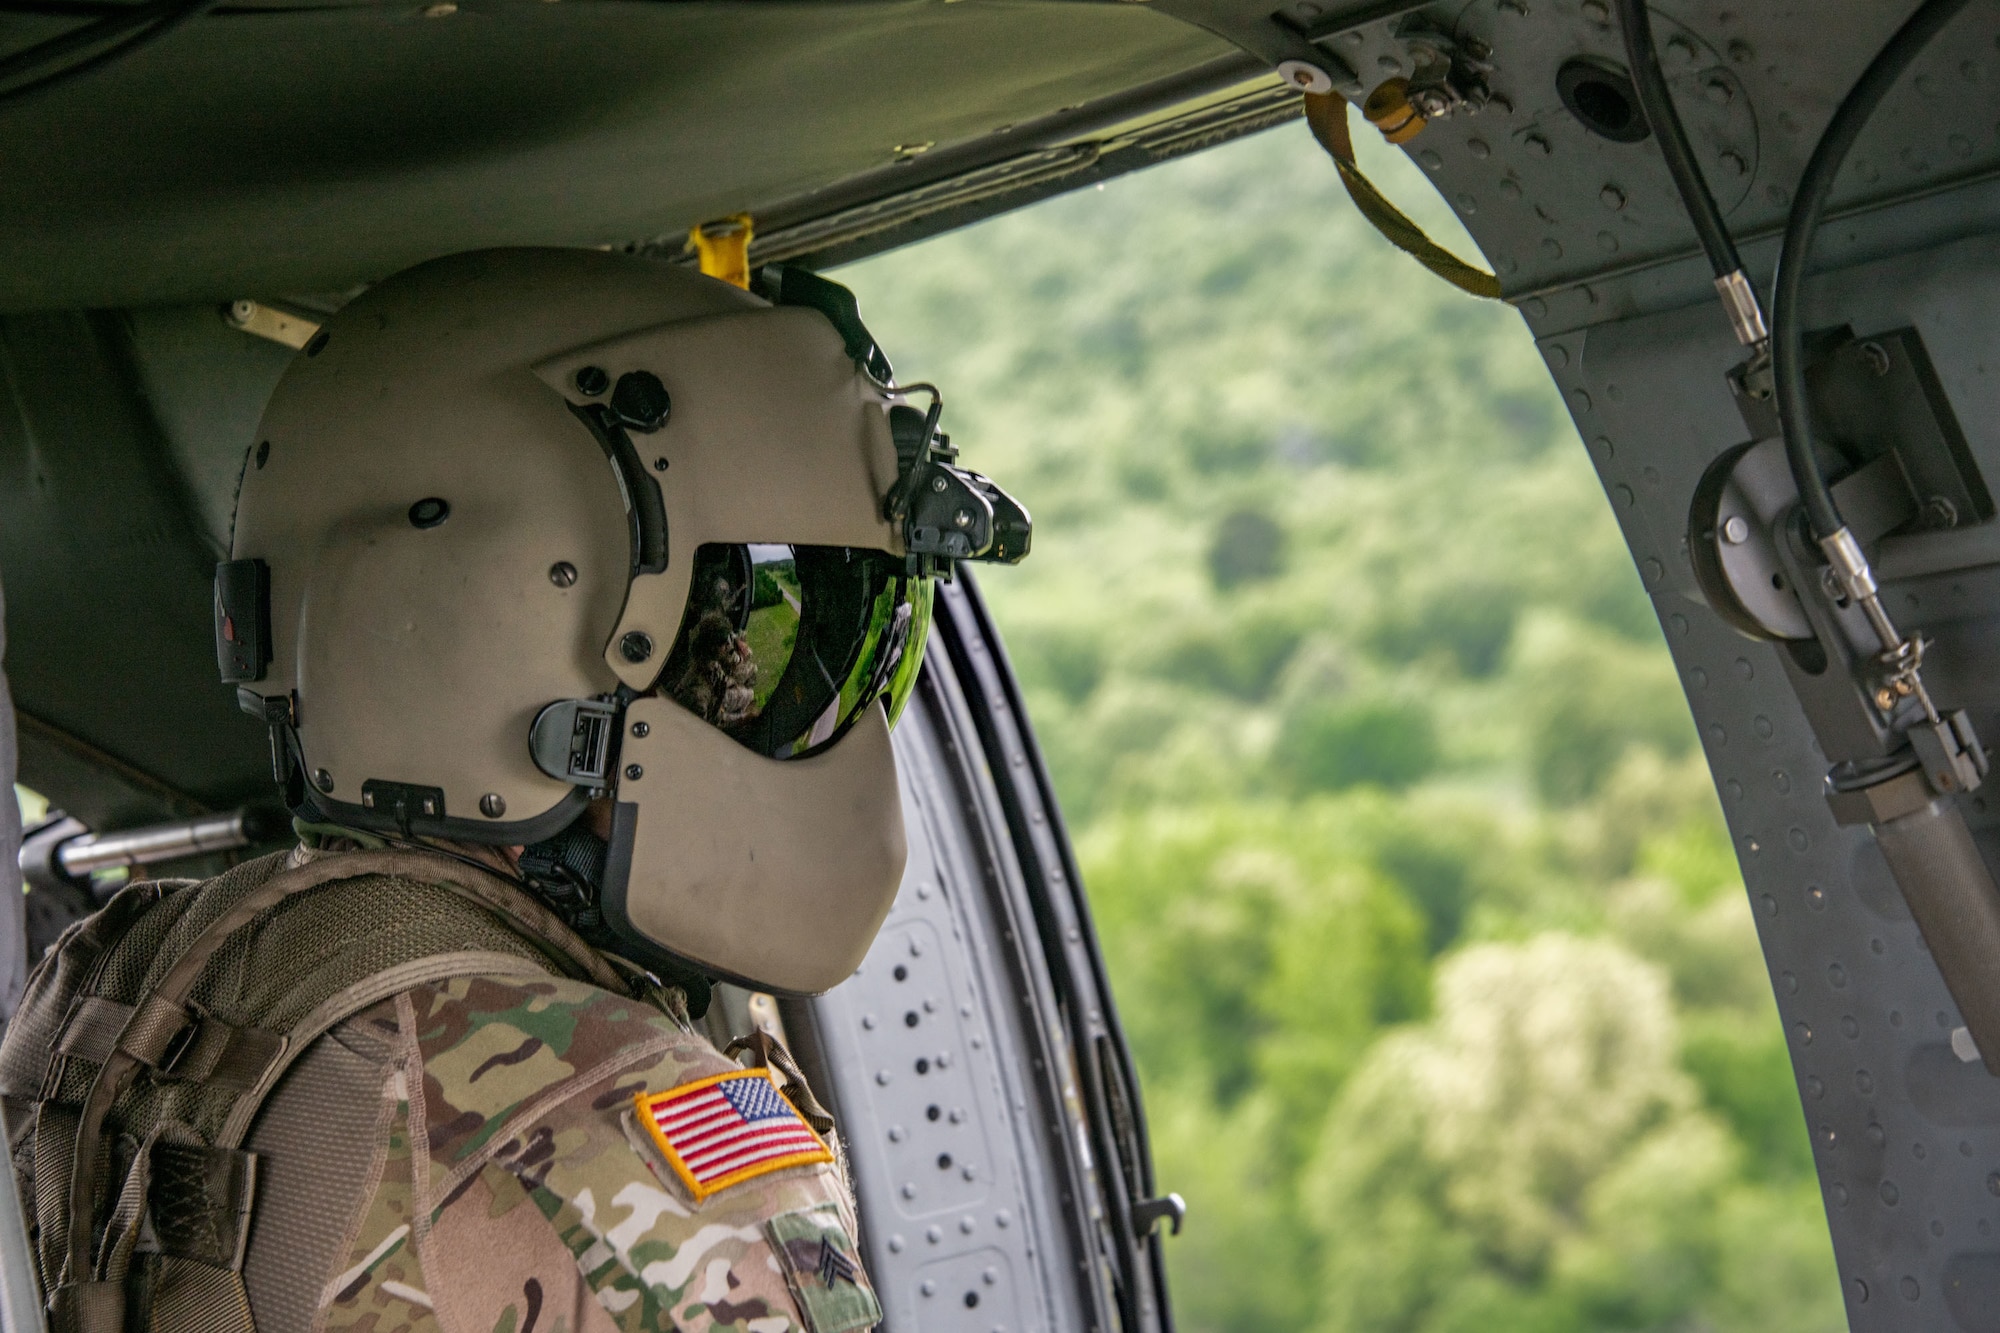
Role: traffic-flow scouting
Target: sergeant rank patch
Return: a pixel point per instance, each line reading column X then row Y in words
column 728, row 1128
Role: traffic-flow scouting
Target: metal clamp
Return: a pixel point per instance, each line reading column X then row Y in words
column 1147, row 1214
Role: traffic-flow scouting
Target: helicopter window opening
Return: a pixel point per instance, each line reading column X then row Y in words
column 34, row 806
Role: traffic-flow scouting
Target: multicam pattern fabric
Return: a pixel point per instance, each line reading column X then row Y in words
column 515, row 1192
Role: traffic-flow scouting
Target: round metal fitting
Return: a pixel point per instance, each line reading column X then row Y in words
column 642, row 729
column 1305, row 76
column 940, row 485
column 659, row 465
column 322, row 779
column 429, row 512
column 963, row 518
column 493, row 805
column 641, row 402
column 636, row 647
column 591, row 381
column 1735, row 530
column 563, row 574
column 633, row 772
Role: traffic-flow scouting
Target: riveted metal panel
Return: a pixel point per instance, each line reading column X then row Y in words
column 1906, row 1134
column 951, row 1079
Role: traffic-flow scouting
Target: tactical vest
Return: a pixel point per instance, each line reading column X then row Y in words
column 152, row 1032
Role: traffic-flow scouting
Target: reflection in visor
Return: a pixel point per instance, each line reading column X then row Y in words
column 783, row 647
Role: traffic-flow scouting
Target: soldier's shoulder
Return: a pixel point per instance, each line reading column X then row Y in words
column 537, row 1097
column 494, row 1048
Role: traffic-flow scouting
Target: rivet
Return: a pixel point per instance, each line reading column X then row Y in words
column 591, row 381
column 642, row 729
column 322, row 779
column 1611, row 197
column 563, row 574
column 1735, row 530
column 493, row 805
column 636, row 646
column 633, row 772
column 659, row 465
column 429, row 512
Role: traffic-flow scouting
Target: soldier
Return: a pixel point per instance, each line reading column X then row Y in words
column 567, row 587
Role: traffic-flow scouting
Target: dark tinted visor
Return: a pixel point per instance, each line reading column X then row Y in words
column 783, row 647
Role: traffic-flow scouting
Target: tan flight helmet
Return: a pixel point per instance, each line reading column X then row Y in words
column 525, row 528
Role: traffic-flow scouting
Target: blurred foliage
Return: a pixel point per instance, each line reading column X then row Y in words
column 1427, row 932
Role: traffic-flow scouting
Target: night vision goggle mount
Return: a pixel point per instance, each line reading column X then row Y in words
column 947, row 513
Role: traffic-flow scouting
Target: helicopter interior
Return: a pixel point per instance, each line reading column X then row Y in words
column 1756, row 246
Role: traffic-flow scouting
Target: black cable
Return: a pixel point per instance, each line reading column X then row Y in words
column 1788, row 287
column 154, row 21
column 1658, row 105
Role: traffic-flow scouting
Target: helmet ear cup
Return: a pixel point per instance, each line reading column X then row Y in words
column 806, row 853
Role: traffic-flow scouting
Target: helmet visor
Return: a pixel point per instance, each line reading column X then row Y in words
column 784, row 647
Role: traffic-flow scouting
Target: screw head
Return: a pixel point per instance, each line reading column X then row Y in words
column 940, row 485
column 962, row 519
column 563, row 574
column 642, row 729
column 322, row 779
column 493, row 805
column 634, row 772
column 591, row 381
column 636, row 647
column 429, row 512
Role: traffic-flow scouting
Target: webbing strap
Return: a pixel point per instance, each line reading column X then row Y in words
column 157, row 1013
column 190, row 1296
column 1326, row 115
column 770, row 1053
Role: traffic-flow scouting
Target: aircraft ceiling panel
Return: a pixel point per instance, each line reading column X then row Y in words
column 266, row 149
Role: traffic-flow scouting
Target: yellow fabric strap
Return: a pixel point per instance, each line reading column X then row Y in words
column 723, row 247
column 1326, row 114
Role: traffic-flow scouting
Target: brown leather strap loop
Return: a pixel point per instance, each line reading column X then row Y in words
column 1326, row 115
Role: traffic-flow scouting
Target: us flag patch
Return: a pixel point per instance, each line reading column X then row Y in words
column 728, row 1128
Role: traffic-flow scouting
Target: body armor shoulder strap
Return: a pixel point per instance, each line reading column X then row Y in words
column 187, row 1171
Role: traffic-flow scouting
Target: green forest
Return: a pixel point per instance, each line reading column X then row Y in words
column 1424, row 922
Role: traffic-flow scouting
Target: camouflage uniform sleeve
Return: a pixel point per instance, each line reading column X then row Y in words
column 532, row 1199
